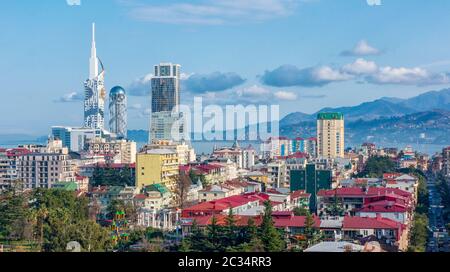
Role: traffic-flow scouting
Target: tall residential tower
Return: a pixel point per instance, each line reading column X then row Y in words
column 95, row 92
column 330, row 135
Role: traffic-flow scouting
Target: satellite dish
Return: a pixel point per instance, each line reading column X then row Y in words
column 73, row 247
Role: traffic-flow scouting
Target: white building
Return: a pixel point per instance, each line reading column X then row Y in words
column 75, row 138
column 42, row 169
column 278, row 174
column 117, row 151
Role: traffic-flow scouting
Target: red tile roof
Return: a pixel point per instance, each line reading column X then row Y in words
column 300, row 194
column 360, row 192
column 384, row 206
column 140, row 197
column 227, row 202
column 356, row 222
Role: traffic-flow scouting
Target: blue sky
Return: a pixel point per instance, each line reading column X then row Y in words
column 302, row 54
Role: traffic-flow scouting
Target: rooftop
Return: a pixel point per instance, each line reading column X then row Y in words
column 330, row 116
column 335, row 247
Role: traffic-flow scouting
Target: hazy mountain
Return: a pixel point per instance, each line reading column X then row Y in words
column 371, row 110
column 429, row 101
column 294, row 118
column 394, row 100
column 384, row 107
column 429, row 127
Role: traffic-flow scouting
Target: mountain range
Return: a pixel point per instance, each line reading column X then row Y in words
column 383, row 107
column 423, row 119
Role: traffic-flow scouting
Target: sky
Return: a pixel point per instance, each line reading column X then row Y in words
column 303, row 55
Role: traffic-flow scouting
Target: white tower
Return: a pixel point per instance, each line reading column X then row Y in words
column 95, row 92
column 93, row 61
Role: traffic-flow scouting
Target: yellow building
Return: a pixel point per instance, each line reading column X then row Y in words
column 330, row 135
column 156, row 166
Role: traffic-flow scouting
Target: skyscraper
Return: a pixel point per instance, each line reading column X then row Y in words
column 166, row 122
column 166, row 87
column 118, row 112
column 330, row 135
column 95, row 92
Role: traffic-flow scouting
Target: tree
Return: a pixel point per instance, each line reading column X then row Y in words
column 311, row 232
column 197, row 239
column 231, row 238
column 376, row 166
column 336, row 208
column 183, row 183
column 270, row 236
column 252, row 240
column 214, row 234
column 91, row 236
column 300, row 211
column 419, row 233
column 13, row 216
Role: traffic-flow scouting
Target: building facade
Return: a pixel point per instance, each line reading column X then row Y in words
column 157, row 166
column 311, row 180
column 165, row 99
column 446, row 161
column 44, row 168
column 95, row 92
column 118, row 112
column 330, row 135
column 75, row 138
column 116, row 151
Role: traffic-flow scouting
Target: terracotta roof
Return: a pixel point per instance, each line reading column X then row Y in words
column 300, row 194
column 356, row 222
column 227, row 202
column 384, row 206
column 359, row 192
column 140, row 197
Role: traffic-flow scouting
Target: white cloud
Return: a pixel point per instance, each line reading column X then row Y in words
column 213, row 12
column 362, row 48
column 141, row 86
column 328, row 74
column 73, row 2
column 70, row 97
column 408, row 76
column 283, row 95
column 360, row 66
column 254, row 90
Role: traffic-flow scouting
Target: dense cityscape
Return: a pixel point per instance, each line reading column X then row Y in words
column 91, row 189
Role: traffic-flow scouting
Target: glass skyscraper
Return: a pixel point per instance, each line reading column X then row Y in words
column 165, row 99
column 166, row 87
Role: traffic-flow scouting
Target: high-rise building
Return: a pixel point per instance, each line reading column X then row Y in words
column 165, row 99
column 330, row 135
column 95, row 92
column 166, row 87
column 166, row 126
column 312, row 180
column 118, row 112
